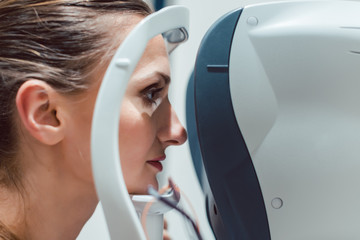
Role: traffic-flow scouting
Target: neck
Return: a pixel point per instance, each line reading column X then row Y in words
column 57, row 210
column 54, row 204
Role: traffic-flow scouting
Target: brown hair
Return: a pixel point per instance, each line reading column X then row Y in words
column 6, row 234
column 56, row 41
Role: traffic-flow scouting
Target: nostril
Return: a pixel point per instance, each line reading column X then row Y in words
column 173, row 142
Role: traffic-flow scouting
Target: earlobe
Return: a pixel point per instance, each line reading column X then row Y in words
column 38, row 111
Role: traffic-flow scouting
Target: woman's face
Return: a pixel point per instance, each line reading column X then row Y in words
column 148, row 123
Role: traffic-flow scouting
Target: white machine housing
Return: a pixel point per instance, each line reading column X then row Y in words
column 121, row 217
column 293, row 74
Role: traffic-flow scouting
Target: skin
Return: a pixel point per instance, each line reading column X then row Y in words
column 55, row 144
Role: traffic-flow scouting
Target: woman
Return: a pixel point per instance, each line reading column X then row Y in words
column 53, row 55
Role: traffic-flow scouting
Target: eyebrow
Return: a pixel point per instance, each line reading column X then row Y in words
column 165, row 77
column 160, row 76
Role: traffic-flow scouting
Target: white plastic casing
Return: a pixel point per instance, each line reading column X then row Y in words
column 295, row 86
column 155, row 214
column 120, row 214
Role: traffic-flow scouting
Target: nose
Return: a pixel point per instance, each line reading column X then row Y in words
column 171, row 131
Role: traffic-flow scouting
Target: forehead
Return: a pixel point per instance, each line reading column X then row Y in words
column 155, row 54
column 154, row 58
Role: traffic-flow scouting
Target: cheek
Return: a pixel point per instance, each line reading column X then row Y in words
column 77, row 150
column 136, row 133
column 78, row 130
column 136, row 140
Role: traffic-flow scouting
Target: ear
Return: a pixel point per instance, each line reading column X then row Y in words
column 36, row 102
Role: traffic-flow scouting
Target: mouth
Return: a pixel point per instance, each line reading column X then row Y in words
column 156, row 163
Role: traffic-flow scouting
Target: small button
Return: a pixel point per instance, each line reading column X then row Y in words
column 252, row 21
column 122, row 62
column 277, row 203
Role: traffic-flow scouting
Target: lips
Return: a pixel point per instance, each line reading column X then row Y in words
column 156, row 163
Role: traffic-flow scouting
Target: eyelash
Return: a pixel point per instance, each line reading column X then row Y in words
column 152, row 94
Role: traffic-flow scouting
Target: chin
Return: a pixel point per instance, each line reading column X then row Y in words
column 143, row 188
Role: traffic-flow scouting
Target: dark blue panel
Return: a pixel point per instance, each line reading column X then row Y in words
column 192, row 132
column 238, row 200
column 213, row 215
column 159, row 4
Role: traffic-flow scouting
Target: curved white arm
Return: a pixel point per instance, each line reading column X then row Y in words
column 120, row 214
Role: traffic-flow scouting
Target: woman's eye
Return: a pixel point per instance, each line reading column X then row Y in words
column 152, row 95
